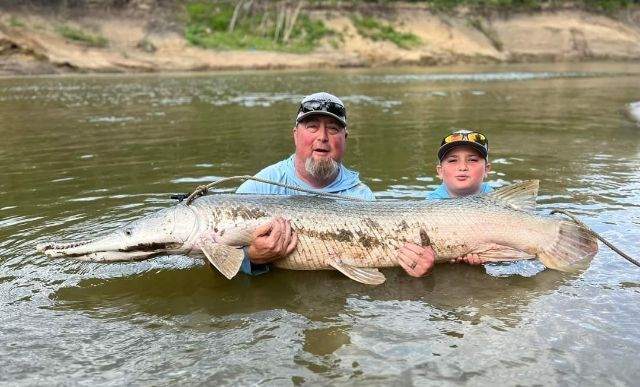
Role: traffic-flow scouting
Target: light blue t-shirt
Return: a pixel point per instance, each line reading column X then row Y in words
column 442, row 193
column 346, row 183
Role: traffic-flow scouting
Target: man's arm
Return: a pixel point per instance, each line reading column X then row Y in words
column 269, row 242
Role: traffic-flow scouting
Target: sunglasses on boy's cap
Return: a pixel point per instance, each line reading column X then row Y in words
column 322, row 104
column 476, row 140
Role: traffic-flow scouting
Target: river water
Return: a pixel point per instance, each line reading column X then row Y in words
column 80, row 155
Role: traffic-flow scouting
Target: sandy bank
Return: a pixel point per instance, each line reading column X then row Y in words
column 30, row 43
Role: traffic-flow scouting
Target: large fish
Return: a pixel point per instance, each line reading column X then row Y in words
column 353, row 237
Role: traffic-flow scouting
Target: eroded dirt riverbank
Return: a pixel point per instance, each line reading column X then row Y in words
column 152, row 39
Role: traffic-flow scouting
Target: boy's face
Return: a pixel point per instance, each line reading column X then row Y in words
column 463, row 170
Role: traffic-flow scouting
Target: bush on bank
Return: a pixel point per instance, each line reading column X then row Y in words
column 274, row 26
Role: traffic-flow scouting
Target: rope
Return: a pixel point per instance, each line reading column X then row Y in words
column 612, row 247
column 202, row 189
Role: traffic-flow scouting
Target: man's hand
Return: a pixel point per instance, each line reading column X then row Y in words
column 416, row 260
column 271, row 241
column 469, row 259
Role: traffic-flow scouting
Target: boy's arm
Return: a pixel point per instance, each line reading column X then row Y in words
column 416, row 260
column 469, row 259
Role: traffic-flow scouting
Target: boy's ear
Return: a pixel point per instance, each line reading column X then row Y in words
column 487, row 169
column 439, row 171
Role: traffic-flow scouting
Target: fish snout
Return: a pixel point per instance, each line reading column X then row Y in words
column 52, row 249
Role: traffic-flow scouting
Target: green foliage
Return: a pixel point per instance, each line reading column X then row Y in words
column 258, row 26
column 610, row 5
column 374, row 29
column 214, row 16
column 15, row 22
column 77, row 35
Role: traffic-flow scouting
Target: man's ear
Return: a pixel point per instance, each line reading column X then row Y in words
column 293, row 133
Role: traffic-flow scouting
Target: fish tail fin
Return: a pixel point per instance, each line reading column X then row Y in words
column 573, row 249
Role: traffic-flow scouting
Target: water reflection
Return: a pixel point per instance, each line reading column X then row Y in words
column 180, row 292
column 349, row 316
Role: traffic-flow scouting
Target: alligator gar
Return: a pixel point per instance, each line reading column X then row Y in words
column 355, row 238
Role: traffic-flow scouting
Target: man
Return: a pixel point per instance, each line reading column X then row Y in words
column 320, row 134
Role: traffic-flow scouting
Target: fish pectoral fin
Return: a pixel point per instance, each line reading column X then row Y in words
column 227, row 259
column 499, row 253
column 365, row 275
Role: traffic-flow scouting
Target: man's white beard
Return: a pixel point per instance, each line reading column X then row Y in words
column 323, row 169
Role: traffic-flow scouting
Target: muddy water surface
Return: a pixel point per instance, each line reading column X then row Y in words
column 81, row 155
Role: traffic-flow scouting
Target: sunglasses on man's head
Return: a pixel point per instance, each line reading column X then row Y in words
column 476, row 137
column 323, row 106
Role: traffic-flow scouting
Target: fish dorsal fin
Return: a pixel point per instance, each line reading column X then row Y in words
column 521, row 196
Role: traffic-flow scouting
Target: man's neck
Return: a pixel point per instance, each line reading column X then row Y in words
column 302, row 173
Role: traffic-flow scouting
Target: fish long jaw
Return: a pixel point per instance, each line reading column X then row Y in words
column 107, row 249
column 53, row 249
column 165, row 232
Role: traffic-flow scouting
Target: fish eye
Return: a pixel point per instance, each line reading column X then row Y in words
column 127, row 232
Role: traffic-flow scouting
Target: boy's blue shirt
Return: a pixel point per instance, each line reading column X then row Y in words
column 346, row 183
column 442, row 193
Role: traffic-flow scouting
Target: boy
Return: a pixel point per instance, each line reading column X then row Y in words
column 463, row 164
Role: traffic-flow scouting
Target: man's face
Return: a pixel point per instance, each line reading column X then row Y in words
column 462, row 170
column 320, row 138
